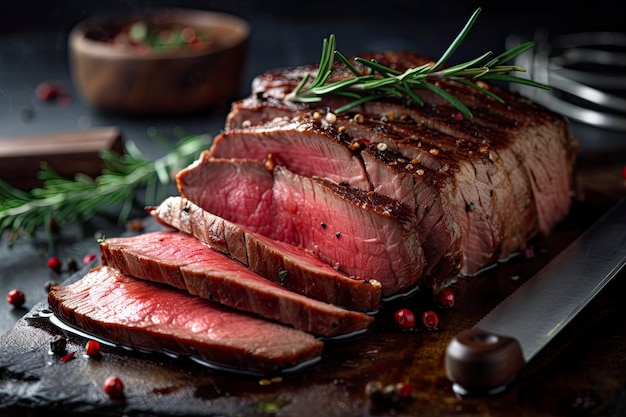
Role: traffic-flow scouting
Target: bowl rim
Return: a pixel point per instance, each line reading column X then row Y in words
column 79, row 42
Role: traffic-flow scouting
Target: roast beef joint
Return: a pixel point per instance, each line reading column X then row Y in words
column 300, row 221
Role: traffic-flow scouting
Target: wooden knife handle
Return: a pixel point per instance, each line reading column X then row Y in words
column 482, row 363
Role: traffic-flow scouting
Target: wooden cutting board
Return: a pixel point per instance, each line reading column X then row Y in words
column 582, row 372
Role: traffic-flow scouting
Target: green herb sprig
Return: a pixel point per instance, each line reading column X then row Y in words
column 384, row 82
column 79, row 199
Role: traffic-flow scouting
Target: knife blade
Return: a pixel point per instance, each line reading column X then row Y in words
column 486, row 358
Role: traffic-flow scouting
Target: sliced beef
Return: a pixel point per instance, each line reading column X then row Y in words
column 514, row 161
column 298, row 144
column 260, row 108
column 153, row 317
column 359, row 232
column 333, row 153
column 460, row 174
column 182, row 261
column 290, row 266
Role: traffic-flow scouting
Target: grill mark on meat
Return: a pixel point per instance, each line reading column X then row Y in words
column 305, row 272
column 491, row 196
column 530, row 142
column 153, row 317
column 499, row 168
column 182, row 261
column 368, row 235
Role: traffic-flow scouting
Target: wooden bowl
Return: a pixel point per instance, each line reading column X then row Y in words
column 139, row 77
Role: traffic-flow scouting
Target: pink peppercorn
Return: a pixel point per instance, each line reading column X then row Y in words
column 54, row 264
column 16, row 298
column 405, row 319
column 430, row 320
column 114, row 387
column 92, row 348
column 446, row 298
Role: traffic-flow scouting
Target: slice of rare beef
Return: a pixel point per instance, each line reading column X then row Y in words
column 153, row 317
column 290, row 266
column 300, row 144
column 359, row 232
column 182, row 261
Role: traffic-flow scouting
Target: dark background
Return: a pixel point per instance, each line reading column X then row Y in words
column 558, row 15
column 423, row 22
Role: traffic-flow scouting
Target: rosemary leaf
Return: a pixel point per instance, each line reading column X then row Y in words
column 465, row 67
column 512, row 53
column 381, row 82
column 457, row 41
column 300, row 85
column 347, row 63
column 376, row 67
column 413, row 72
column 514, row 79
column 409, row 92
column 343, row 84
column 326, row 62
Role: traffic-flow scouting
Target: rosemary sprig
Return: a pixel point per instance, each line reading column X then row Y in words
column 381, row 81
column 80, row 198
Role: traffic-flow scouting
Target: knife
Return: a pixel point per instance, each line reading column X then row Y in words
column 486, row 359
